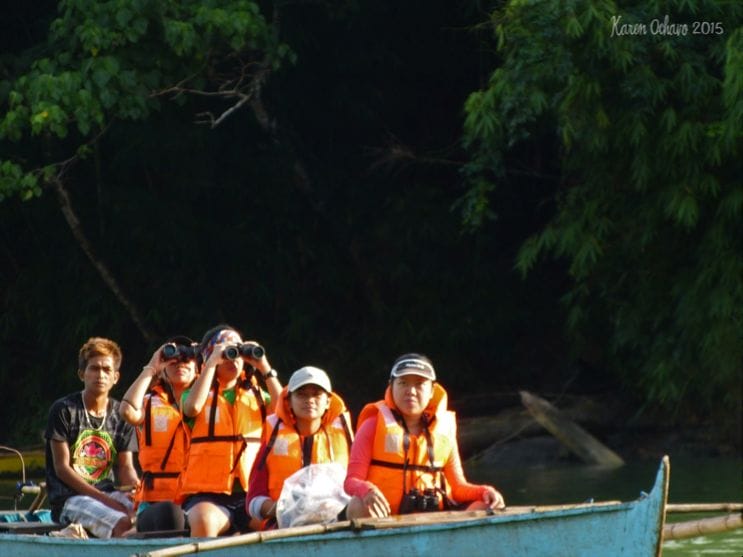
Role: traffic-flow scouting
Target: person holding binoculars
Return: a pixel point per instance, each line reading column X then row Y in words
column 152, row 405
column 405, row 457
column 225, row 410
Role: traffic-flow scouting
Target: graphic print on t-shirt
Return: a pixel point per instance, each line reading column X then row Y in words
column 93, row 455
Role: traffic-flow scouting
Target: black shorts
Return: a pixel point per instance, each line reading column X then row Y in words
column 234, row 504
column 161, row 516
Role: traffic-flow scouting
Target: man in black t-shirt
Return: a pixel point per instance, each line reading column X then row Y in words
column 89, row 448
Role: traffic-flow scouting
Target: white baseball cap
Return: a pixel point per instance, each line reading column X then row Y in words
column 309, row 375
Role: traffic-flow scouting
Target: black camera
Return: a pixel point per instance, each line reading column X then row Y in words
column 416, row 502
column 254, row 351
column 182, row 352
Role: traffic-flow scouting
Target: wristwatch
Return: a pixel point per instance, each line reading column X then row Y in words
column 270, row 373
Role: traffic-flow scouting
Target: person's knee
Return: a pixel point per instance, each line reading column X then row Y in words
column 256, row 525
column 161, row 516
column 122, row 527
column 477, row 506
column 197, row 519
column 206, row 520
column 356, row 509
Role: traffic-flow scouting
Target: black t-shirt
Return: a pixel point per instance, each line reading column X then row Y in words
column 94, row 445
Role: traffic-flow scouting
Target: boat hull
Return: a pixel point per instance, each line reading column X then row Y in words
column 615, row 529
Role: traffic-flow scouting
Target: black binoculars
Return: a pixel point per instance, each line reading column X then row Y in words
column 233, row 352
column 416, row 502
column 172, row 351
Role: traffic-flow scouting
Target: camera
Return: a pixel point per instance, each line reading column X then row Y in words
column 254, row 351
column 172, row 351
column 415, row 501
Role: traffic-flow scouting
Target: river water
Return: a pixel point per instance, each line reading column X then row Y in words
column 693, row 480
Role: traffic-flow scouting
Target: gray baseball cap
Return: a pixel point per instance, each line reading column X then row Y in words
column 413, row 366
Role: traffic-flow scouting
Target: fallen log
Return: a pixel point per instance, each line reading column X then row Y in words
column 702, row 527
column 477, row 433
column 577, row 440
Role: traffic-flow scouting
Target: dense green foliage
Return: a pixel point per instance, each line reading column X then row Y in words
column 98, row 66
column 314, row 236
column 295, row 170
column 648, row 203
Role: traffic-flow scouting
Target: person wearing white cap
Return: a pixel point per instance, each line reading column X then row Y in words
column 405, row 457
column 311, row 426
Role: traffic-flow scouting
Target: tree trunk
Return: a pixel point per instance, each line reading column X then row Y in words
column 575, row 438
column 74, row 223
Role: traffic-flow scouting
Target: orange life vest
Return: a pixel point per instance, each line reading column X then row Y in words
column 284, row 453
column 163, row 442
column 400, row 461
column 224, row 440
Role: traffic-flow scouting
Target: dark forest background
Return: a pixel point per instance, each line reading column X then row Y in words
column 339, row 222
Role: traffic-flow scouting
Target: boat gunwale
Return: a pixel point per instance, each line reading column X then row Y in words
column 362, row 527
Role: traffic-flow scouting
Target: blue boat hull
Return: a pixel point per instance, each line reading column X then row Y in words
column 615, row 529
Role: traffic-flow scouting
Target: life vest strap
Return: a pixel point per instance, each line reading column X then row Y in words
column 225, row 438
column 269, row 445
column 147, row 422
column 245, row 441
column 170, row 446
column 259, row 398
column 309, row 441
column 346, row 428
column 148, row 478
column 401, row 466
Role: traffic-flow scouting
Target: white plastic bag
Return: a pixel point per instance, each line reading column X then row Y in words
column 312, row 495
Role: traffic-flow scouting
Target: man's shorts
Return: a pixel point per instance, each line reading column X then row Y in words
column 96, row 517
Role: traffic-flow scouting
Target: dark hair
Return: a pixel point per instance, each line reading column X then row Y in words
column 180, row 339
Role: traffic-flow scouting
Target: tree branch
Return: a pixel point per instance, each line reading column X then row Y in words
column 74, row 223
column 208, row 117
column 235, row 90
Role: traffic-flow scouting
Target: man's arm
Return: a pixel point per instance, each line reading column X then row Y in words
column 126, row 474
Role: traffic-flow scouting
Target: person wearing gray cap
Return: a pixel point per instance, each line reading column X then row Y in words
column 405, row 457
column 311, row 426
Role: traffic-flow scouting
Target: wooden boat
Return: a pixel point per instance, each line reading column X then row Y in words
column 631, row 528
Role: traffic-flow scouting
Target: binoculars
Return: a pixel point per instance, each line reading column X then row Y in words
column 416, row 502
column 172, row 351
column 233, row 352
